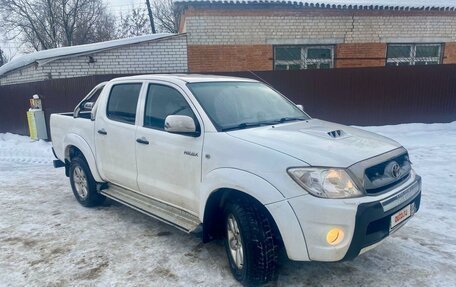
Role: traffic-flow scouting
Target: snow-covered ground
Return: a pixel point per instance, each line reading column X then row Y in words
column 48, row 239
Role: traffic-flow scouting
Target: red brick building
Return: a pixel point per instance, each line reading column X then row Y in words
column 240, row 35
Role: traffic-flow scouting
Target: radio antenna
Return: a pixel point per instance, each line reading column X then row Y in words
column 260, row 78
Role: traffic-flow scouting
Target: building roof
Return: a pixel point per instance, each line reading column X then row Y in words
column 347, row 4
column 46, row 56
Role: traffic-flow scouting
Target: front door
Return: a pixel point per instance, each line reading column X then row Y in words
column 115, row 135
column 169, row 165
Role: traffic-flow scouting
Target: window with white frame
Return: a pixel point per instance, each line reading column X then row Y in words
column 413, row 54
column 303, row 57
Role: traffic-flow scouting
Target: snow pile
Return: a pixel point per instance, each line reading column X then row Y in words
column 413, row 136
column 15, row 149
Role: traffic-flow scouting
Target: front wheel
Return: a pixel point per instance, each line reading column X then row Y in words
column 250, row 243
column 83, row 184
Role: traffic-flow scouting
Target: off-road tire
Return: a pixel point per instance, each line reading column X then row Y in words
column 258, row 241
column 93, row 198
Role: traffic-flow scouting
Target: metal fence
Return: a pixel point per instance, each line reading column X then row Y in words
column 358, row 96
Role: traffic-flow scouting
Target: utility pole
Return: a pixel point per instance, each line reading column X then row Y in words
column 1, row 58
column 151, row 17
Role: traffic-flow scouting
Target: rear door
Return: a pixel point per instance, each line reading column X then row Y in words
column 115, row 129
column 169, row 165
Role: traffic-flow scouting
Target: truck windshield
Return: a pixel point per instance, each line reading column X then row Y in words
column 240, row 105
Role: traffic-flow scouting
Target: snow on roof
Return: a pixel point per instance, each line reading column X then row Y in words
column 344, row 4
column 51, row 54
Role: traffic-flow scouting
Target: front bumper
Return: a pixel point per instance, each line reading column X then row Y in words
column 365, row 221
column 373, row 224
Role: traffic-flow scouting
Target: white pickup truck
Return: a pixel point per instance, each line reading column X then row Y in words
column 232, row 158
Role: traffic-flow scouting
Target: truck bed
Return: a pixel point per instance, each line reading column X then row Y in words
column 84, row 115
column 64, row 125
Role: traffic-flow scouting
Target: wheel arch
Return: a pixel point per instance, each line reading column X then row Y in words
column 213, row 212
column 224, row 183
column 219, row 184
column 76, row 145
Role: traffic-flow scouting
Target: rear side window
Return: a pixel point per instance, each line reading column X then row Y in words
column 122, row 103
column 161, row 102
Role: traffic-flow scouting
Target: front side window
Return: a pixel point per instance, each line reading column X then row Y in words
column 239, row 105
column 303, row 57
column 122, row 103
column 161, row 102
column 413, row 54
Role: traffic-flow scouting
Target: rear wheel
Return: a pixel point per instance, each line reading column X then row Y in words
column 83, row 185
column 250, row 243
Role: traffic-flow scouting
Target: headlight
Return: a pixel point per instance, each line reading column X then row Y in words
column 325, row 182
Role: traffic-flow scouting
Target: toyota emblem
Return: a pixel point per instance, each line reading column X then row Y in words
column 395, row 170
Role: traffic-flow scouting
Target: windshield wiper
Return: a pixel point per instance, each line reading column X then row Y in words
column 290, row 119
column 265, row 123
column 249, row 125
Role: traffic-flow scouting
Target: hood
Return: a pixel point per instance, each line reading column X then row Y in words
column 319, row 143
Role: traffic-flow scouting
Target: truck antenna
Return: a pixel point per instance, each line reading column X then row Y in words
column 260, row 78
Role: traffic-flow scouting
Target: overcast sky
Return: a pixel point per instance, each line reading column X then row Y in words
column 123, row 5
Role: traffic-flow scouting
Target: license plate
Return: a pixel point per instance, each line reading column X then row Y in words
column 400, row 216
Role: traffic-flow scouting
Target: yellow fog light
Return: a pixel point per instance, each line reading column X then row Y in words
column 335, row 236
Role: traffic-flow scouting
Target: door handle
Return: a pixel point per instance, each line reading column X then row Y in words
column 142, row 140
column 102, row 132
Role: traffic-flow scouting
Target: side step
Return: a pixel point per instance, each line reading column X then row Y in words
column 169, row 214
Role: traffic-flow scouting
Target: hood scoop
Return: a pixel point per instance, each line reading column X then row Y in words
column 336, row 134
column 323, row 132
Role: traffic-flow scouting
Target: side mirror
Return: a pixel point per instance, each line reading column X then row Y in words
column 88, row 106
column 300, row 107
column 180, row 124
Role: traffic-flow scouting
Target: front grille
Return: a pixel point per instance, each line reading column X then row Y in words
column 387, row 187
column 380, row 177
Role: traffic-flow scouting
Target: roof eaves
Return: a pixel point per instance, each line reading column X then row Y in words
column 322, row 5
column 49, row 60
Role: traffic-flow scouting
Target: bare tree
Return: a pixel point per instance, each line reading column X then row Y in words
column 103, row 29
column 46, row 24
column 135, row 23
column 166, row 15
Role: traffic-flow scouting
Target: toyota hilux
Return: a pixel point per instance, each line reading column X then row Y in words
column 233, row 159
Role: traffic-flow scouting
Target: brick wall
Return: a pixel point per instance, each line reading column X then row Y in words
column 250, row 26
column 450, row 53
column 356, row 33
column 227, row 58
column 360, row 55
column 168, row 55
